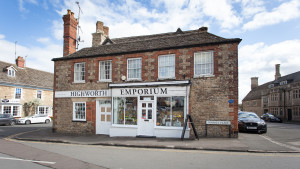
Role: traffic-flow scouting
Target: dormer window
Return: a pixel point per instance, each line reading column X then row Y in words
column 11, row 71
column 283, row 82
column 271, row 85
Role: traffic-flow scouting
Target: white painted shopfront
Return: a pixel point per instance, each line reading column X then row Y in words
column 156, row 109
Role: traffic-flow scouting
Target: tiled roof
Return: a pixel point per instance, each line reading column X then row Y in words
column 145, row 43
column 26, row 77
column 256, row 93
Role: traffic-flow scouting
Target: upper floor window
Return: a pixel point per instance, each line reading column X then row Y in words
column 134, row 69
column 18, row 93
column 271, row 85
column 105, row 70
column 11, row 72
column 166, row 66
column 204, row 63
column 39, row 94
column 79, row 72
column 283, row 82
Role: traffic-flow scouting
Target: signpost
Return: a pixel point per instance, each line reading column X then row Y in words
column 188, row 117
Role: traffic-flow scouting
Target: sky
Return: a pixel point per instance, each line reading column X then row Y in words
column 269, row 29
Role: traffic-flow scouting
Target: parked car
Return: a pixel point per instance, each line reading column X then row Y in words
column 35, row 119
column 7, row 119
column 270, row 117
column 249, row 121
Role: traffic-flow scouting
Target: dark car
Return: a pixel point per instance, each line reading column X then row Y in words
column 249, row 121
column 7, row 119
column 270, row 117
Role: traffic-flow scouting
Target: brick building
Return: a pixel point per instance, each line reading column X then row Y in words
column 280, row 97
column 146, row 85
column 21, row 86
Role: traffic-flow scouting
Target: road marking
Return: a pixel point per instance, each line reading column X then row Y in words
column 19, row 159
column 280, row 144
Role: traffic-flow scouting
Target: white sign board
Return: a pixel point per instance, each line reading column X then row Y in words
column 83, row 93
column 219, row 122
column 151, row 91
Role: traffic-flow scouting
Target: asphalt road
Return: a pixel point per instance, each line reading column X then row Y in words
column 56, row 155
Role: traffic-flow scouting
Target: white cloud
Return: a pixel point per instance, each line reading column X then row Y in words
column 44, row 40
column 258, row 60
column 252, row 7
column 37, row 57
column 286, row 11
column 2, row 36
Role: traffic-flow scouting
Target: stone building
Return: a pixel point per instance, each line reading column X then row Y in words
column 280, row 97
column 146, row 85
column 25, row 91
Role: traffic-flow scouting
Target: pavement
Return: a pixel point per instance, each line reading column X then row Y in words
column 245, row 142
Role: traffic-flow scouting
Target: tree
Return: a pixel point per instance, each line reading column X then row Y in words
column 29, row 107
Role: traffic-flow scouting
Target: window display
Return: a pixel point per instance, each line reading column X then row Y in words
column 170, row 111
column 125, row 110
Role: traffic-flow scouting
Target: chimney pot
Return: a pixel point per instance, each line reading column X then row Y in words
column 254, row 82
column 277, row 71
column 69, row 11
column 20, row 62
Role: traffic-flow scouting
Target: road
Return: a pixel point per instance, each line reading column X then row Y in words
column 91, row 156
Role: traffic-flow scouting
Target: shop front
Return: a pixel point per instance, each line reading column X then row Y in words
column 155, row 109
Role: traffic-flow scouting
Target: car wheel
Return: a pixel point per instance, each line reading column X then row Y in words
column 12, row 123
column 27, row 122
column 47, row 121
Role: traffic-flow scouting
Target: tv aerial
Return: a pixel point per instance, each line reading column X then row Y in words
column 78, row 26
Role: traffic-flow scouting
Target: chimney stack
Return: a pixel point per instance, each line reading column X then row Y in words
column 102, row 32
column 70, row 32
column 277, row 71
column 254, row 82
column 203, row 29
column 20, row 62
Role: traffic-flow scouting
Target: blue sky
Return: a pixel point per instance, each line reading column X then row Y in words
column 270, row 29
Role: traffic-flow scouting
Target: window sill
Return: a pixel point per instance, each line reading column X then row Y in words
column 167, row 78
column 83, row 121
column 133, row 80
column 104, row 81
column 202, row 76
column 80, row 82
column 124, row 126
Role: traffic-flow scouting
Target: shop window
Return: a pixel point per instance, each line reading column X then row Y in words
column 39, row 94
column 203, row 63
column 170, row 111
column 13, row 110
column 134, row 69
column 79, row 111
column 125, row 110
column 166, row 66
column 105, row 68
column 18, row 93
column 79, row 72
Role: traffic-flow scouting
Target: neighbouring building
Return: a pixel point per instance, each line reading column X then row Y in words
column 25, row 91
column 146, row 85
column 280, row 97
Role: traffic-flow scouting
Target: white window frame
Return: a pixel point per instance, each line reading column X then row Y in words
column 79, row 72
column 12, row 109
column 74, row 111
column 211, row 63
column 47, row 110
column 11, row 72
column 20, row 93
column 139, row 69
column 166, row 66
column 37, row 94
column 104, row 79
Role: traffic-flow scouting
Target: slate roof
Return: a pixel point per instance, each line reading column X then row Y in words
column 172, row 40
column 26, row 77
column 256, row 93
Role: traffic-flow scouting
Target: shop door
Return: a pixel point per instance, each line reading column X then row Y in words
column 146, row 122
column 103, row 117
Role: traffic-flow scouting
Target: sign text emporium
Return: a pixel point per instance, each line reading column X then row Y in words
column 144, row 91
